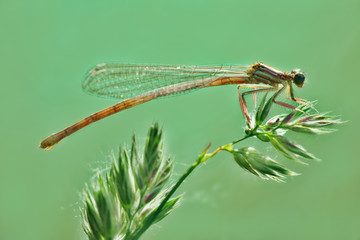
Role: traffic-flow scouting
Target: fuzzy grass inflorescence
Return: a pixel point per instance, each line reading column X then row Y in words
column 123, row 202
column 134, row 194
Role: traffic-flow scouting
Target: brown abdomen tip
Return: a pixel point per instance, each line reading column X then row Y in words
column 51, row 140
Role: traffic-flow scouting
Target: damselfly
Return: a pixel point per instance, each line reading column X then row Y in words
column 136, row 84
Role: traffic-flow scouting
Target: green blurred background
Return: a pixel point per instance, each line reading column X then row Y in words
column 46, row 47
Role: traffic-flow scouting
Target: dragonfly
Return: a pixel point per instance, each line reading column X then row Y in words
column 135, row 84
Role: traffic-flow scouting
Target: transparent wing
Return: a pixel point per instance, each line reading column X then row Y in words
column 123, row 81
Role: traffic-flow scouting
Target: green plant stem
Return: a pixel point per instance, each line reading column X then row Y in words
column 149, row 221
column 202, row 158
column 243, row 138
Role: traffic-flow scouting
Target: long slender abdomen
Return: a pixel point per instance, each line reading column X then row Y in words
column 53, row 139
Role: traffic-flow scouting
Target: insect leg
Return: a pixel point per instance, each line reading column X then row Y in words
column 242, row 101
column 297, row 100
column 282, row 103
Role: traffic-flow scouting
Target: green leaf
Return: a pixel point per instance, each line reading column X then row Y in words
column 241, row 159
column 260, row 165
column 310, row 130
column 122, row 178
column 263, row 137
column 282, row 150
column 168, row 208
column 104, row 209
column 134, row 157
column 258, row 116
column 263, row 110
column 288, row 117
column 295, row 148
column 152, row 149
column 274, row 122
column 302, row 110
column 267, row 108
column 92, row 219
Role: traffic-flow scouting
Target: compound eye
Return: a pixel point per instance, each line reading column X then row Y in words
column 299, row 79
